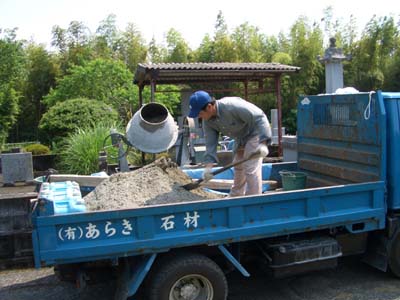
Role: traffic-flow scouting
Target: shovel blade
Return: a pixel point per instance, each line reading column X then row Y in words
column 191, row 186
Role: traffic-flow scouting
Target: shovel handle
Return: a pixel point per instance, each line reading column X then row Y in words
column 233, row 164
column 193, row 185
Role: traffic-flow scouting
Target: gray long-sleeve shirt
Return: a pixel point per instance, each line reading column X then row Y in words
column 238, row 119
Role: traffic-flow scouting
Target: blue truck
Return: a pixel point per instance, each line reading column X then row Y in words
column 349, row 147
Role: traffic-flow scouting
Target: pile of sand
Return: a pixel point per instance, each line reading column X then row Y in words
column 157, row 183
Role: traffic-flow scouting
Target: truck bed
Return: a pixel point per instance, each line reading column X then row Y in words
column 80, row 237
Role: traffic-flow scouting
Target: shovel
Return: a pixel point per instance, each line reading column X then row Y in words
column 193, row 185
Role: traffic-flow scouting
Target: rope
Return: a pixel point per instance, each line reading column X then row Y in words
column 367, row 111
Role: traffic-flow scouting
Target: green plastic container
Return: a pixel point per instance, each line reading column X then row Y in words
column 293, row 180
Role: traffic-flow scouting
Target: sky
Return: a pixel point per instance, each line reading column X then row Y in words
column 193, row 19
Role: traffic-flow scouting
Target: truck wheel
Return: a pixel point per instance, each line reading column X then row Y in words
column 394, row 256
column 188, row 277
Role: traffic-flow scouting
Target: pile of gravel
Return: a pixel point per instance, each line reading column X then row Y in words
column 157, row 183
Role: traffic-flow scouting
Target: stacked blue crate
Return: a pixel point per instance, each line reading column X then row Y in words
column 65, row 197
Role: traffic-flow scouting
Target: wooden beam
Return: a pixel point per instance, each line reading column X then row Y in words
column 226, row 184
column 82, row 180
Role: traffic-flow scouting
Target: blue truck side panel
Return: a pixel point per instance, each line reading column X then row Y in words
column 392, row 105
column 110, row 234
column 342, row 138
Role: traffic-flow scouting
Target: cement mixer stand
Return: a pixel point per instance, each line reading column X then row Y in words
column 117, row 140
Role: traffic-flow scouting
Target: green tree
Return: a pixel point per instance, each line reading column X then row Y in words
column 107, row 81
column 270, row 45
column 106, row 41
column 41, row 76
column 178, row 50
column 205, row 51
column 392, row 83
column 59, row 38
column 282, row 58
column 156, row 53
column 74, row 45
column 108, row 32
column 78, row 34
column 389, row 53
column 248, row 43
column 63, row 118
column 375, row 52
column 328, row 22
column 284, row 42
column 348, row 40
column 132, row 47
column 12, row 61
column 349, row 34
column 224, row 47
column 306, row 45
column 8, row 110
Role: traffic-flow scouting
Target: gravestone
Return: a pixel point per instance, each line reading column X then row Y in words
column 17, row 167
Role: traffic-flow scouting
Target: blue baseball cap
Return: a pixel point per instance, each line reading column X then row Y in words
column 197, row 102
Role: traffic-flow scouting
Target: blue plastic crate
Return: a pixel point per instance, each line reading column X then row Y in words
column 65, row 196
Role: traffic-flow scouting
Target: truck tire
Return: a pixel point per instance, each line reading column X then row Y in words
column 188, row 277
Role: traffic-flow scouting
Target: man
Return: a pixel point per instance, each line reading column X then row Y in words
column 246, row 124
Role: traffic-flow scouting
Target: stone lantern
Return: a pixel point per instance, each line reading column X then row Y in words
column 333, row 59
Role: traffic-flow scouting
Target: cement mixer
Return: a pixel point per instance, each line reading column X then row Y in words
column 151, row 130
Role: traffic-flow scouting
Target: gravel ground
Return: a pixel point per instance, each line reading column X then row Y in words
column 352, row 280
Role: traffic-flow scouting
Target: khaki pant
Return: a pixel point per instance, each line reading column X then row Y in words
column 248, row 175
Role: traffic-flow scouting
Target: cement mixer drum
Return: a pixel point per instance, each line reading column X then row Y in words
column 152, row 129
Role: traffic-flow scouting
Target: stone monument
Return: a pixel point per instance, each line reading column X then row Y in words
column 333, row 60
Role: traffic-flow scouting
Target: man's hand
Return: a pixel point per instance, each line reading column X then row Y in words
column 263, row 150
column 207, row 174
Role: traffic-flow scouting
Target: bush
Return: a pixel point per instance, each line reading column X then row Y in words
column 63, row 118
column 80, row 151
column 37, row 149
column 9, row 146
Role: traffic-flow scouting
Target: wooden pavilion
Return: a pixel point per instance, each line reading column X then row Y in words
column 211, row 74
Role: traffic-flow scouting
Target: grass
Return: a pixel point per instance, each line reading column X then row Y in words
column 80, row 151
